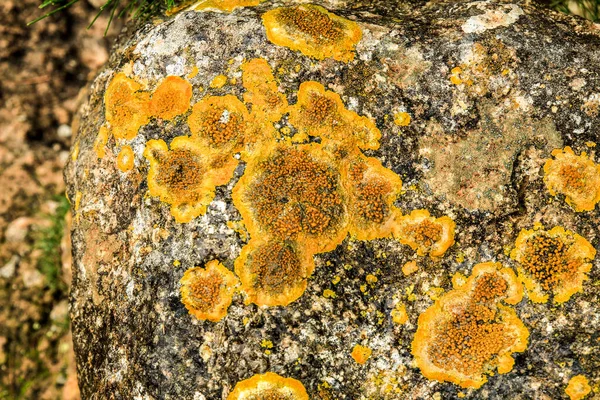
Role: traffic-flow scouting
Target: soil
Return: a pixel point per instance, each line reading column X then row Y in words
column 43, row 69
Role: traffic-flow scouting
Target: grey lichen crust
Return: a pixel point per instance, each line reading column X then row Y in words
column 491, row 89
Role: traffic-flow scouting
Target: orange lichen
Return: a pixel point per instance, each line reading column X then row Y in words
column 409, row 267
column 186, row 176
column 372, row 190
column 171, row 98
column 100, row 142
column 321, row 113
column 468, row 332
column 125, row 159
column 225, row 5
column 219, row 122
column 313, row 31
column 218, row 81
column 578, row 387
column 361, row 354
column 262, row 91
column 126, row 107
column 273, row 272
column 207, row 292
column 555, row 261
column 269, row 386
column 293, row 193
column 576, row 177
column 425, row 234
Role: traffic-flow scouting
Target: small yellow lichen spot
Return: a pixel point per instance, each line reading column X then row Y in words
column 555, row 261
column 576, row 177
column 193, row 73
column 225, row 5
column 402, row 119
column 176, row 263
column 186, row 175
column 78, row 196
column 578, row 387
column 425, row 234
column 125, row 159
column 268, row 386
column 207, row 292
column 461, row 395
column 336, row 279
column 100, row 142
column 329, row 294
column 399, row 314
column 266, row 344
column 75, row 152
column 455, row 76
column 218, row 82
column 363, row 288
column 313, row 31
column 361, row 354
column 477, row 313
column 590, row 144
column 126, row 107
column 409, row 267
column 171, row 98
column 371, row 279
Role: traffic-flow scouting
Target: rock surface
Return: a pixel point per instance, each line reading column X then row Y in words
column 470, row 100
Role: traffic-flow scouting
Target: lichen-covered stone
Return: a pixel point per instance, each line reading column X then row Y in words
column 254, row 214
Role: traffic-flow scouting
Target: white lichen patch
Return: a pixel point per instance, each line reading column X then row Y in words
column 492, row 19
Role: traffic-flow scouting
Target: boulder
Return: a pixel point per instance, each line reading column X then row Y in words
column 340, row 200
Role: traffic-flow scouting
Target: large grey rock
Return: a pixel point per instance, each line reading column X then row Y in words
column 491, row 89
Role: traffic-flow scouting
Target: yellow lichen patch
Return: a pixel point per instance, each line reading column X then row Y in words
column 399, row 315
column 186, row 176
column 372, row 190
column 269, row 386
column 171, row 98
column 468, row 332
column 193, row 73
column 321, row 113
column 273, row 272
column 125, row 159
column 100, row 142
column 293, row 193
column 361, row 354
column 126, row 107
column 219, row 122
column 218, row 82
column 262, row 91
column 207, row 292
column 576, row 177
column 425, row 234
column 402, row 119
column 409, row 267
column 313, row 31
column 578, row 387
column 555, row 261
column 225, row 5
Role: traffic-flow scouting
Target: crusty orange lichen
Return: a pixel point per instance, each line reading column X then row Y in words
column 468, row 332
column 372, row 190
column 321, row 113
column 219, row 122
column 125, row 159
column 576, row 177
column 186, row 176
column 261, row 90
column 555, row 261
column 268, row 386
column 361, row 354
column 225, row 5
column 171, row 98
column 126, row 106
column 207, row 292
column 101, row 141
column 273, row 272
column 293, row 193
column 578, row 387
column 313, row 31
column 424, row 233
